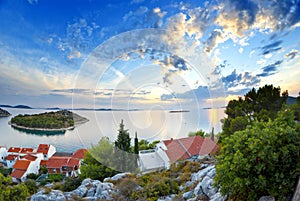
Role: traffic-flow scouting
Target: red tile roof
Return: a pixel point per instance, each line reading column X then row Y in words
column 21, row 164
column 29, row 157
column 17, row 173
column 11, row 157
column 79, row 153
column 43, row 162
column 43, row 148
column 58, row 162
column 185, row 148
column 14, row 149
column 26, row 150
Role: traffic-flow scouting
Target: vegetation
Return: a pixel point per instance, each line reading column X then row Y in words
column 5, row 171
column 257, row 105
column 260, row 147
column 197, row 133
column 98, row 160
column 145, row 145
column 154, row 185
column 48, row 120
column 9, row 191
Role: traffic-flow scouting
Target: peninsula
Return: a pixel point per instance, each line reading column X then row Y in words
column 4, row 113
column 49, row 121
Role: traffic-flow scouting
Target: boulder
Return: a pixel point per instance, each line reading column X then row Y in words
column 86, row 182
column 267, row 198
column 188, row 195
column 80, row 191
column 54, row 195
column 116, row 177
column 91, row 192
column 218, row 197
column 166, row 198
column 201, row 173
column 207, row 186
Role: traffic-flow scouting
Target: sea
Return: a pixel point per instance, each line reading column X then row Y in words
column 148, row 124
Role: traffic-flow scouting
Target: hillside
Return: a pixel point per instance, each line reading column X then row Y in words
column 4, row 113
column 62, row 119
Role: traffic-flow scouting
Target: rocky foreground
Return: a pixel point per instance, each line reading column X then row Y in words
column 96, row 190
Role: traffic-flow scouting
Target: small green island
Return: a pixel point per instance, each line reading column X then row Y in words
column 49, row 121
column 4, row 113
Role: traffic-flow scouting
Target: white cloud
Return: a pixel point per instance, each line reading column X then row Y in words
column 241, row 50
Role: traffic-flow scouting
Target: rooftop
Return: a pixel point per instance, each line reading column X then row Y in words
column 79, row 153
column 17, row 173
column 21, row 164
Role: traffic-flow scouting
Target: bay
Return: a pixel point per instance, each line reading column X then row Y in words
column 149, row 124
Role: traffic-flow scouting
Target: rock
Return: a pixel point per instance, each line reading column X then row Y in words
column 91, row 192
column 80, row 191
column 211, row 173
column 207, row 187
column 218, row 197
column 198, row 190
column 267, row 198
column 86, row 182
column 54, row 195
column 201, row 173
column 116, row 177
column 104, row 190
column 166, row 198
column 90, row 198
column 188, row 195
column 95, row 183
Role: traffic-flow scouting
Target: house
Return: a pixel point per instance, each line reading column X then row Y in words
column 79, row 154
column 170, row 151
column 22, row 168
column 11, row 160
column 61, row 164
column 3, row 153
column 48, row 150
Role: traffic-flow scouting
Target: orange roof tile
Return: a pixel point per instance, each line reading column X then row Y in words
column 11, row 157
column 26, row 150
column 58, row 162
column 21, row 164
column 29, row 157
column 14, row 149
column 79, row 153
column 43, row 148
column 17, row 173
column 185, row 148
column 43, row 162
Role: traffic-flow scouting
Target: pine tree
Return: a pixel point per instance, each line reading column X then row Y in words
column 122, row 148
column 136, row 144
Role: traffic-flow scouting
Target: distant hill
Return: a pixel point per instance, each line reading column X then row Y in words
column 4, row 113
column 17, row 106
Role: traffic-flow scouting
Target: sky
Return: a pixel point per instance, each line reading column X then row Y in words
column 145, row 54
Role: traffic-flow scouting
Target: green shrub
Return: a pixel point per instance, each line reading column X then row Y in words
column 71, row 183
column 31, row 186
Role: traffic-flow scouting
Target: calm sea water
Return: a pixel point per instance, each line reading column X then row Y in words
column 149, row 125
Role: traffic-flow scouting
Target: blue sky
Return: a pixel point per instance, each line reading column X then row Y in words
column 141, row 54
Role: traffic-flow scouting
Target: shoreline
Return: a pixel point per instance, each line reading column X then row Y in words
column 42, row 129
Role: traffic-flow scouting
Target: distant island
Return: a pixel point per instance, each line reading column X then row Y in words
column 177, row 111
column 17, row 106
column 4, row 113
column 49, row 121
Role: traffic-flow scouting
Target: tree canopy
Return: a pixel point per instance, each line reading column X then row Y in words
column 262, row 104
column 260, row 160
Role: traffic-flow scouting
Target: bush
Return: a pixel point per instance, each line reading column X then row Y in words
column 261, row 160
column 71, row 183
column 32, row 176
column 5, row 171
column 31, row 186
column 55, row 177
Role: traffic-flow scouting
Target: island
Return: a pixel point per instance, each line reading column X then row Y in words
column 4, row 113
column 61, row 120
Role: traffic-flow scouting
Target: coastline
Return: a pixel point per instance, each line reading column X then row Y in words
column 42, row 129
